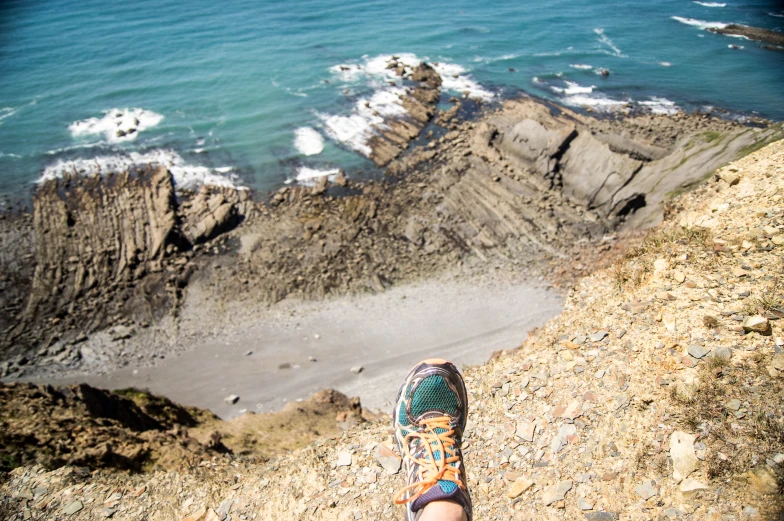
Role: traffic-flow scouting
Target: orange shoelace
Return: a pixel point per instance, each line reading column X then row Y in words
column 432, row 470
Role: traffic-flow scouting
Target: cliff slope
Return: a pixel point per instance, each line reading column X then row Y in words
column 655, row 395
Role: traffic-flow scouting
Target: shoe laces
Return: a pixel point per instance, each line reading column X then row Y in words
column 432, row 470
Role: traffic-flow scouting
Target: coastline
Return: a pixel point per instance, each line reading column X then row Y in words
column 529, row 187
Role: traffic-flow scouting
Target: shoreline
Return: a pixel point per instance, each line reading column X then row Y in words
column 529, row 187
column 464, row 318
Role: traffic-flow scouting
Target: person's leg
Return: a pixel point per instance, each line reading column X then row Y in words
column 429, row 419
column 443, row 511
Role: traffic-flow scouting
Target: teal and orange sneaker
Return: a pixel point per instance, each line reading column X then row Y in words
column 429, row 419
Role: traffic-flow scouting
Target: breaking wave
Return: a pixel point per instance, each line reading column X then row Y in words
column 185, row 176
column 117, row 125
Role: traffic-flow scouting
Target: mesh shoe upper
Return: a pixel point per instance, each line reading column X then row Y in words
column 429, row 419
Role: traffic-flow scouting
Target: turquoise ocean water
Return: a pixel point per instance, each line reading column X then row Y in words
column 254, row 89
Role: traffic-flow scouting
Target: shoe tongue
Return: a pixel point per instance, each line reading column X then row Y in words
column 433, row 397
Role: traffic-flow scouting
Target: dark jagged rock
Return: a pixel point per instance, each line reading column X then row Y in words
column 752, row 33
column 84, row 426
column 113, row 246
column 419, row 102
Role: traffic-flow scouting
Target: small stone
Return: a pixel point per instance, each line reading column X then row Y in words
column 757, row 324
column 556, row 492
column 225, row 508
column 212, row 516
column 388, row 460
column 669, row 323
column 312, row 359
column 672, row 513
column 248, row 353
column 678, row 276
column 344, row 459
column 121, row 333
column 601, row 516
column 692, row 486
column 739, row 272
column 684, row 459
column 519, row 486
column 698, row 351
column 357, row 369
column 197, row 515
column 647, row 490
column 730, row 176
column 733, row 404
column 511, row 475
column 721, row 352
column 598, row 336
column 750, row 511
column 778, row 240
column 232, row 399
column 584, row 505
column 660, row 265
column 72, row 508
column 525, row 430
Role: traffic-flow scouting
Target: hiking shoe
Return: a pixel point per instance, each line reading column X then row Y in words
column 429, row 419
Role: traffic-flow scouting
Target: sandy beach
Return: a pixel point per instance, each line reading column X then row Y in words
column 463, row 320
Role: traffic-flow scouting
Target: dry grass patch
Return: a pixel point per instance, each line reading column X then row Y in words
column 740, row 436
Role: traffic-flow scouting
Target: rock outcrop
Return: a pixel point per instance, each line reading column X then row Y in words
column 109, row 248
column 420, row 102
column 759, row 34
column 644, row 399
column 131, row 429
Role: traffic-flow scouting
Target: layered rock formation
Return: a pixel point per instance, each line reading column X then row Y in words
column 523, row 185
column 420, row 102
column 115, row 245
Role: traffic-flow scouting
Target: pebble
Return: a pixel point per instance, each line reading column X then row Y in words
column 73, row 508
column 598, row 336
column 388, row 460
column 601, row 516
column 733, row 404
column 232, row 399
column 344, row 459
column 721, row 352
column 519, row 486
column 647, row 489
column 556, row 492
column 698, row 351
column 684, row 459
column 357, row 369
column 692, row 486
column 584, row 505
column 757, row 324
column 678, row 276
column 750, row 511
column 525, row 430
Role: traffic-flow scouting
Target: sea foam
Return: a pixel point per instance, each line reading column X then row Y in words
column 357, row 128
column 308, row 141
column 710, row 4
column 699, row 23
column 660, row 106
column 117, row 125
column 604, row 39
column 307, row 176
column 185, row 176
